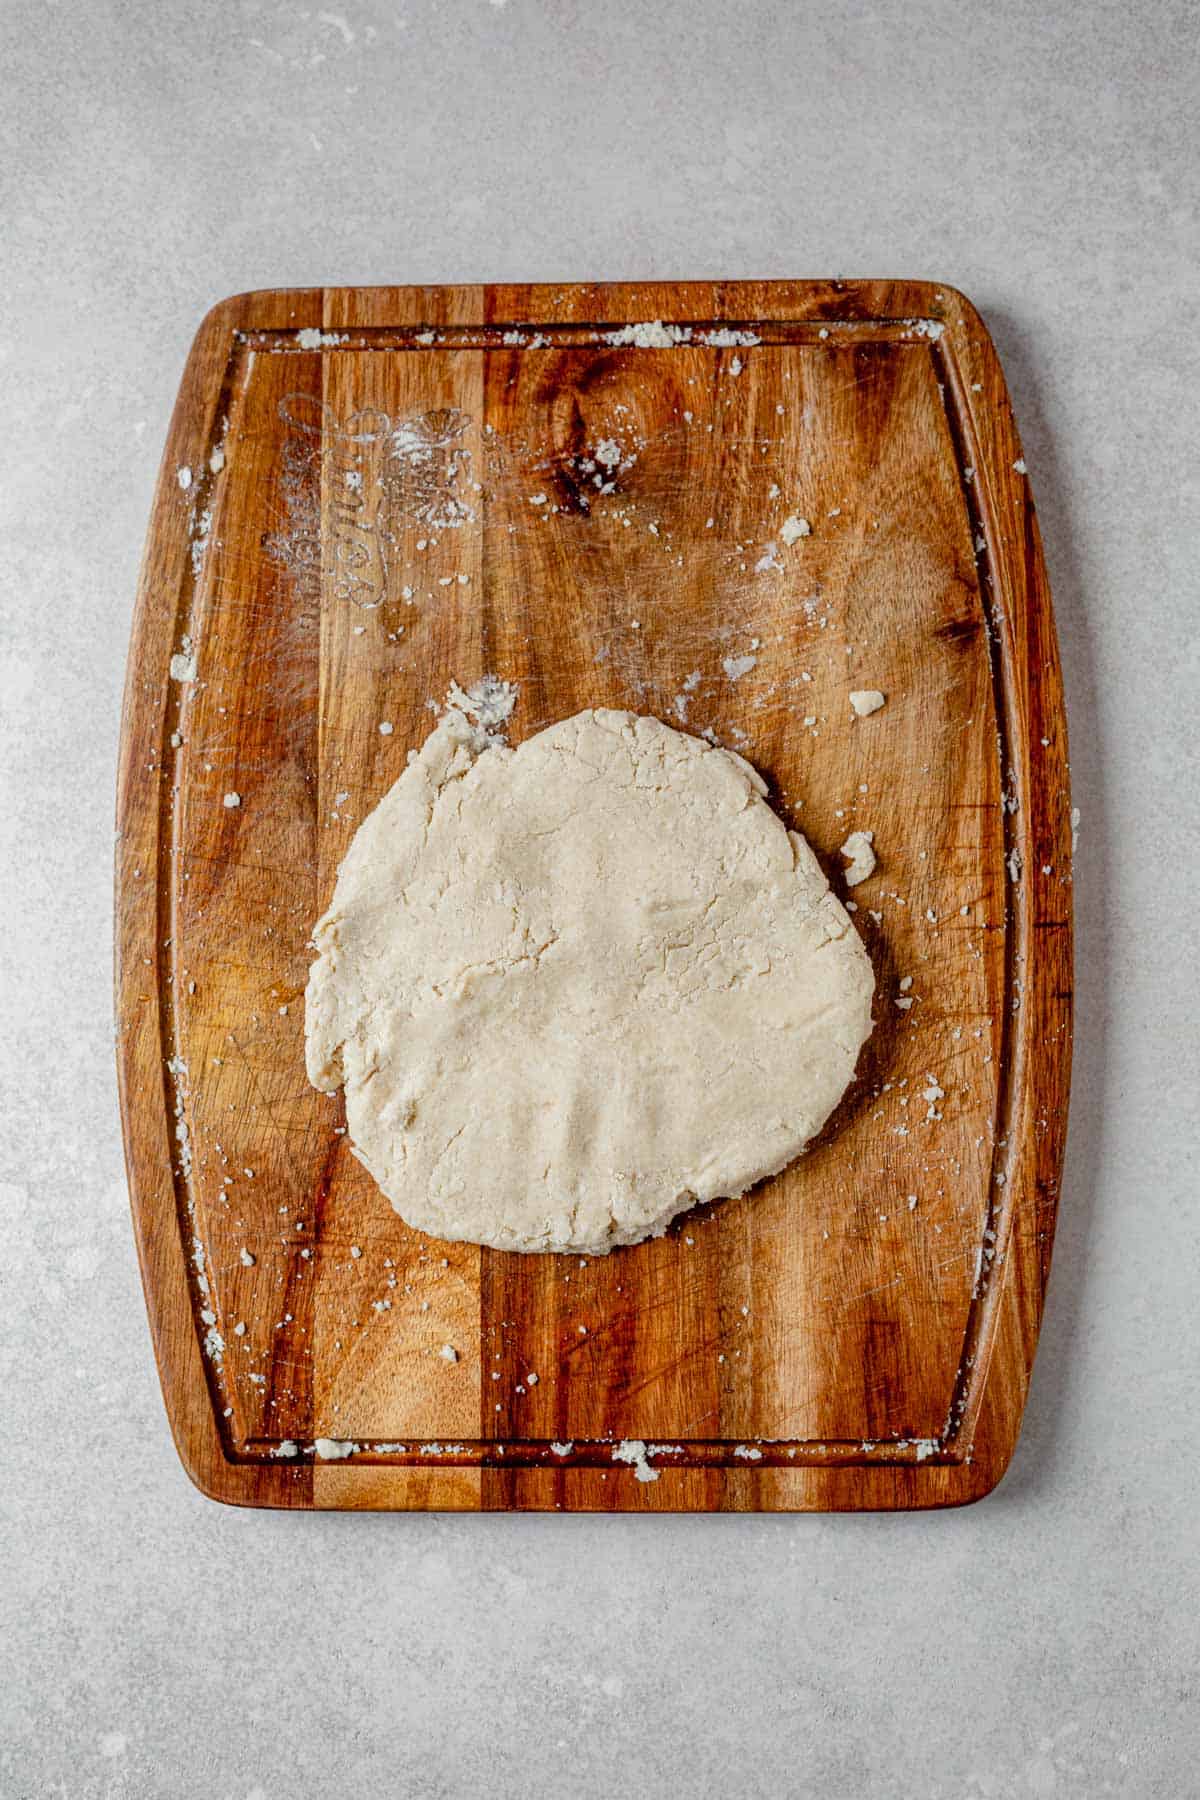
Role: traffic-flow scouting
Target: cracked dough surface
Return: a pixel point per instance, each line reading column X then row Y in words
column 574, row 988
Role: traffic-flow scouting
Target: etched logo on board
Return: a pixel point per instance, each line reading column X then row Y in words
column 353, row 487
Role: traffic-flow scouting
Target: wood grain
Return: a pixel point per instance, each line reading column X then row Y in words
column 389, row 489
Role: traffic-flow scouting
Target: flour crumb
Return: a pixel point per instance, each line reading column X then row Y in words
column 559, row 1449
column 861, row 856
column 386, row 728
column 683, row 700
column 448, row 1353
column 490, row 701
column 793, row 528
column 183, row 666
column 246, row 1258
column 183, row 476
column 334, row 1449
column 313, row 338
column 232, row 800
column 289, row 1447
column 866, row 701
column 737, row 666
column 651, row 335
column 633, row 1452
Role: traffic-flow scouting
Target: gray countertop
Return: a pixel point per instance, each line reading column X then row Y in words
column 1042, row 157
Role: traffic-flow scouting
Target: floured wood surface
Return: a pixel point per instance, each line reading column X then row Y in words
column 371, row 494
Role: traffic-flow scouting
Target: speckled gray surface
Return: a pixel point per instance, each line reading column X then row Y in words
column 1045, row 159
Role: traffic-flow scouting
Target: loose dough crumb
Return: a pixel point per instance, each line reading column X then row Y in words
column 633, row 1452
column 866, row 701
column 653, row 335
column 489, row 702
column 858, row 848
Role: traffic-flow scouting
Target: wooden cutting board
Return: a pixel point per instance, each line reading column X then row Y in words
column 370, row 493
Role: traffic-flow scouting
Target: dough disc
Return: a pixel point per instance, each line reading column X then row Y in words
column 574, row 988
